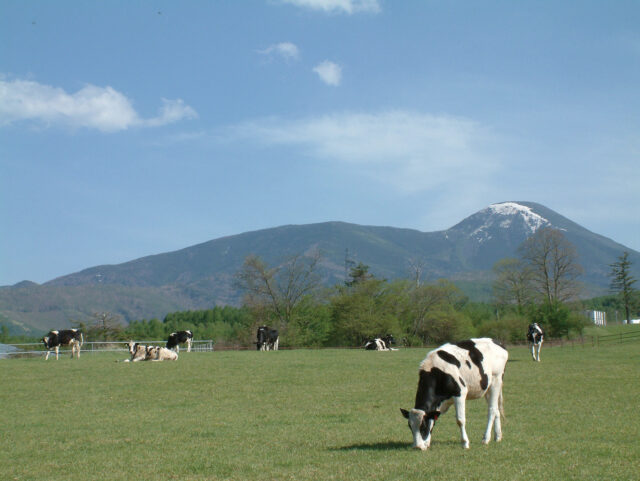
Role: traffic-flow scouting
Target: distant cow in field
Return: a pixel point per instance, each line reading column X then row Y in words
column 535, row 336
column 267, row 339
column 155, row 353
column 451, row 374
column 66, row 337
column 137, row 351
column 179, row 337
column 380, row 343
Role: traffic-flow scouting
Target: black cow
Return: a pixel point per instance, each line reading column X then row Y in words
column 380, row 343
column 176, row 338
column 535, row 336
column 66, row 337
column 451, row 374
column 267, row 339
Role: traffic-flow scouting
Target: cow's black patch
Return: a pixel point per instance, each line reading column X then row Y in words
column 498, row 343
column 476, row 357
column 435, row 387
column 448, row 357
column 468, row 364
column 462, row 382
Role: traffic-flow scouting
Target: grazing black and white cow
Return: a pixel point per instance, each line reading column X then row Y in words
column 267, row 339
column 179, row 337
column 66, row 337
column 451, row 374
column 535, row 336
column 380, row 343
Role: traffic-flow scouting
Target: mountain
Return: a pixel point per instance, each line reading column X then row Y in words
column 201, row 276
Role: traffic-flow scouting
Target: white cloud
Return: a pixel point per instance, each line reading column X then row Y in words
column 409, row 151
column 101, row 108
column 329, row 72
column 286, row 50
column 340, row 6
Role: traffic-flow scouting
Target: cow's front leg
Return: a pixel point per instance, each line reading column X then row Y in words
column 461, row 420
column 57, row 352
column 47, row 355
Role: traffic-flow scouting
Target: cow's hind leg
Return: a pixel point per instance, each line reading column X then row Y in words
column 539, row 349
column 461, row 419
column 493, row 415
column 57, row 348
column 188, row 345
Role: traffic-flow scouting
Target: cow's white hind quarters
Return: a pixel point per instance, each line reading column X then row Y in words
column 450, row 375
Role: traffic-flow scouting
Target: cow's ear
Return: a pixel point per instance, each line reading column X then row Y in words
column 405, row 413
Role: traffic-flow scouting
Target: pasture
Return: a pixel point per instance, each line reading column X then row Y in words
column 312, row 415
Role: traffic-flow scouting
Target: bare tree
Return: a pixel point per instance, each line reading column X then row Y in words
column 416, row 268
column 553, row 263
column 513, row 282
column 278, row 290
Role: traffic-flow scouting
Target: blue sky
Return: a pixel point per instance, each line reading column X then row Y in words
column 130, row 128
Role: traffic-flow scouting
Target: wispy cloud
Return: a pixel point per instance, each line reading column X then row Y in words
column 409, row 151
column 329, row 72
column 286, row 50
column 101, row 108
column 338, row 6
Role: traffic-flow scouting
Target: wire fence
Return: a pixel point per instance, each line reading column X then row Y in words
column 36, row 348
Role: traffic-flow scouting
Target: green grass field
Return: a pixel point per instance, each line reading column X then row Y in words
column 312, row 414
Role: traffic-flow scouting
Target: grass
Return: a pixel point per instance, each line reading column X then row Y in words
column 321, row 415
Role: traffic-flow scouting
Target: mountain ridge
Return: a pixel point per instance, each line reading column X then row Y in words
column 200, row 276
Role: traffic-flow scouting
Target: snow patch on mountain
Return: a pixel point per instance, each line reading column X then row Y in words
column 509, row 210
column 503, row 215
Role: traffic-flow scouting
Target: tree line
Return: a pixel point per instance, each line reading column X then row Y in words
column 540, row 285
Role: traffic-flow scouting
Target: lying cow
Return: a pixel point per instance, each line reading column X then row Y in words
column 179, row 337
column 67, row 337
column 380, row 343
column 535, row 336
column 138, row 352
column 451, row 374
column 155, row 353
column 267, row 339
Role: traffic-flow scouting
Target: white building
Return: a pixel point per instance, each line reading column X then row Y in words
column 599, row 318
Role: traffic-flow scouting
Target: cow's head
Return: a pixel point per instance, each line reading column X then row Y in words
column 45, row 341
column 421, row 425
column 132, row 346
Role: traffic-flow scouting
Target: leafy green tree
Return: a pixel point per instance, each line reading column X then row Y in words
column 622, row 282
column 362, row 310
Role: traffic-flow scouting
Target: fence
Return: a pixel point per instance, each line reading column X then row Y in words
column 36, row 348
column 617, row 338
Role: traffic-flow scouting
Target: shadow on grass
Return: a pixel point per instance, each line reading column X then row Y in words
column 390, row 446
column 386, row 446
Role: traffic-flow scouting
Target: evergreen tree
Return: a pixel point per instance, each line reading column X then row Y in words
column 622, row 282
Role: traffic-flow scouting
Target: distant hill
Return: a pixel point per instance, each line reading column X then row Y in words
column 201, row 276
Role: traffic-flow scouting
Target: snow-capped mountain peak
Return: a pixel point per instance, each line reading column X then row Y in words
column 509, row 210
column 518, row 220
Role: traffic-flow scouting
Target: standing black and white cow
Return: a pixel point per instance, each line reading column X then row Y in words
column 179, row 337
column 451, row 374
column 380, row 343
column 535, row 336
column 67, row 337
column 267, row 339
